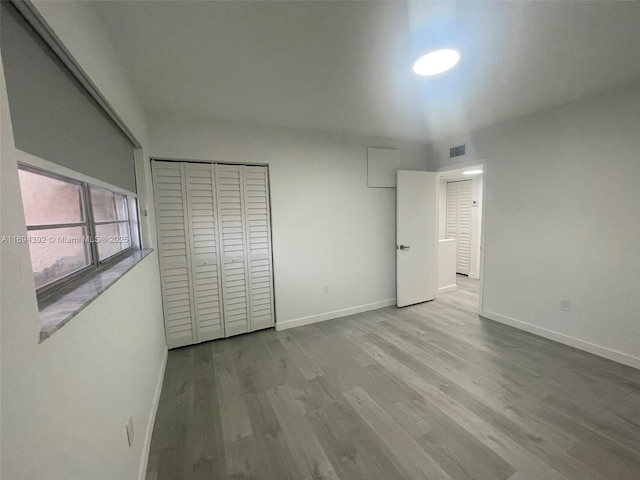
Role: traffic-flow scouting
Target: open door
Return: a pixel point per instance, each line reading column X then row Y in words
column 416, row 237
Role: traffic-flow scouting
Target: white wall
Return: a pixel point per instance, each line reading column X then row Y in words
column 329, row 228
column 65, row 401
column 562, row 193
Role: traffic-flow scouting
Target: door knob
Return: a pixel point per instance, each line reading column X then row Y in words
column 404, row 247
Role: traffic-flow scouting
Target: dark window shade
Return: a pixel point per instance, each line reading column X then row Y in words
column 52, row 115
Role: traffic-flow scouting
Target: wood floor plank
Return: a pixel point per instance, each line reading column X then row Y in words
column 613, row 463
column 308, row 455
column 353, row 448
column 259, row 373
column 501, row 444
column 462, row 456
column 208, row 451
column 246, row 460
column 405, row 449
column 235, row 419
column 174, row 458
column 309, row 368
column 511, row 403
column 430, row 391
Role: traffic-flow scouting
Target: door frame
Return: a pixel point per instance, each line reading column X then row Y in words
column 484, row 161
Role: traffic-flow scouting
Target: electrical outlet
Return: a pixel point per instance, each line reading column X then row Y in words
column 565, row 304
column 129, row 428
column 325, row 289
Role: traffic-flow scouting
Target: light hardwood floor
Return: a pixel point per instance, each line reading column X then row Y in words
column 424, row 392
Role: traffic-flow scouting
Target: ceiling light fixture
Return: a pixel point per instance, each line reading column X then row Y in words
column 472, row 172
column 436, row 62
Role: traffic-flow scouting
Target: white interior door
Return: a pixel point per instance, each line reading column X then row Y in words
column 416, row 237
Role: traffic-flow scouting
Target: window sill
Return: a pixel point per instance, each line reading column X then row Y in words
column 62, row 309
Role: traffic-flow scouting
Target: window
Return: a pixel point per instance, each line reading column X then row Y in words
column 111, row 218
column 73, row 228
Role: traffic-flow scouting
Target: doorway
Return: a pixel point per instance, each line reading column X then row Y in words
column 460, row 220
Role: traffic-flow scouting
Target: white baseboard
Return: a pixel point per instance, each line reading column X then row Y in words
column 448, row 288
column 599, row 350
column 142, row 471
column 321, row 317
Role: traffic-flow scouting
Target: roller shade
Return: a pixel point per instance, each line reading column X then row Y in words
column 52, row 115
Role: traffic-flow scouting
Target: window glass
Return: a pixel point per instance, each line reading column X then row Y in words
column 64, row 240
column 122, row 208
column 49, row 201
column 103, row 203
column 112, row 239
column 58, row 252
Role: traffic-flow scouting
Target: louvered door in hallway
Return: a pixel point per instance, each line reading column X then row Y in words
column 459, row 221
column 214, row 241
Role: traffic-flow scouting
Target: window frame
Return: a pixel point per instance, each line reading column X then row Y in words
column 46, row 294
column 128, row 207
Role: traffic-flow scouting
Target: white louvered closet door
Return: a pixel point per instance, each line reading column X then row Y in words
column 452, row 209
column 174, row 252
column 205, row 271
column 459, row 221
column 214, row 239
column 464, row 227
column 258, row 234
column 235, row 284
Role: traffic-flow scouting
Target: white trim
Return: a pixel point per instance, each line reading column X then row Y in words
column 599, row 350
column 32, row 160
column 473, row 162
column 448, row 288
column 146, row 446
column 233, row 163
column 483, row 232
column 321, row 317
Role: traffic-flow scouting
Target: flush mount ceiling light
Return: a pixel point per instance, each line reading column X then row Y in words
column 472, row 172
column 436, row 62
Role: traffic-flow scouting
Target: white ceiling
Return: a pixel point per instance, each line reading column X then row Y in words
column 346, row 66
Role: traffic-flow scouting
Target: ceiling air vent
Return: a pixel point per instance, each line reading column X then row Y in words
column 457, row 151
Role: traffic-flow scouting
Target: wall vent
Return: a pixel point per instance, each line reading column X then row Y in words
column 457, row 151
